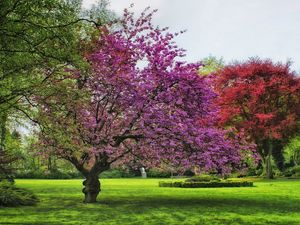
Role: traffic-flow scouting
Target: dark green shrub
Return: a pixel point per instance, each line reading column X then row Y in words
column 170, row 184
column 158, row 173
column 292, row 171
column 214, row 184
column 116, row 173
column 278, row 173
column 203, row 178
column 112, row 173
column 188, row 173
column 259, row 172
column 177, row 184
column 211, row 184
column 287, row 173
column 167, row 184
column 251, row 172
column 58, row 175
column 29, row 174
column 296, row 171
column 10, row 195
column 55, row 174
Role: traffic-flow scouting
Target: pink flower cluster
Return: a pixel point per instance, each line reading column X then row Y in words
column 145, row 104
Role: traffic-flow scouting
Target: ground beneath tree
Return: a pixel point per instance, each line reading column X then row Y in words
column 138, row 201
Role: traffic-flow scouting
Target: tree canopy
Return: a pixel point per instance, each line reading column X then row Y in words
column 37, row 39
column 139, row 102
column 260, row 98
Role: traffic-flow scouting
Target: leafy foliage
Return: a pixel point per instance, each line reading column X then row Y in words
column 5, row 166
column 36, row 38
column 211, row 65
column 137, row 103
column 261, row 99
column 161, row 111
column 13, row 196
column 58, row 174
column 203, row 178
column 292, row 150
column 207, row 184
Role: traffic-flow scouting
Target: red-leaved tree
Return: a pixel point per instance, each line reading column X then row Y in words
column 262, row 99
column 138, row 102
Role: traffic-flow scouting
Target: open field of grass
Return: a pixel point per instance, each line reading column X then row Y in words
column 138, row 201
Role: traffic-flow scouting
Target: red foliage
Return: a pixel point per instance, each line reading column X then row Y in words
column 261, row 97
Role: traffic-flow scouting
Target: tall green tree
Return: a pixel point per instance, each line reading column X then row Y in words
column 37, row 39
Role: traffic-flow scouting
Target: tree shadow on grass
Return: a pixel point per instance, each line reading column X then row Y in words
column 144, row 203
column 236, row 204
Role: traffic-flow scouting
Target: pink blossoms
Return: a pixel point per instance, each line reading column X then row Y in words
column 139, row 104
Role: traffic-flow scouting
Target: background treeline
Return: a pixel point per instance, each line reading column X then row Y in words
column 39, row 38
column 286, row 163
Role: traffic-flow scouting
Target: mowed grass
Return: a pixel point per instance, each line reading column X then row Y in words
column 141, row 201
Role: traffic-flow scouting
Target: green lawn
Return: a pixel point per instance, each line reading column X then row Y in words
column 138, row 201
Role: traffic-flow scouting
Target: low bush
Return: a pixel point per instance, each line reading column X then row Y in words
column 288, row 172
column 296, row 171
column 203, row 178
column 113, row 173
column 170, row 184
column 10, row 195
column 56, row 174
column 116, row 173
column 211, row 184
column 158, row 173
column 217, row 184
column 292, row 171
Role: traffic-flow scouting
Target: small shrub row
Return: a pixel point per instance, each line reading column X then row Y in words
column 57, row 174
column 211, row 184
column 10, row 195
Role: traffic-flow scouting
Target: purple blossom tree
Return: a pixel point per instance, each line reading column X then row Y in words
column 138, row 102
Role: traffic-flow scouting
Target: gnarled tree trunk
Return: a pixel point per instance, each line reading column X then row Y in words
column 91, row 188
column 91, row 183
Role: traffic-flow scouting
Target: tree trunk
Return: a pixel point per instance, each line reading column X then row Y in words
column 49, row 166
column 3, row 120
column 269, row 171
column 91, row 189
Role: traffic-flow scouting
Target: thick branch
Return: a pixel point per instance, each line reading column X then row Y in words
column 119, row 139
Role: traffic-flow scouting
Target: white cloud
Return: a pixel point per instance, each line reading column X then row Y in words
column 233, row 29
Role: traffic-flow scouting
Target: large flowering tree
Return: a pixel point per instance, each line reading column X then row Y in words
column 137, row 102
column 262, row 99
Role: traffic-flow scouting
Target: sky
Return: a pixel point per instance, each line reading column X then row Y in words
column 228, row 29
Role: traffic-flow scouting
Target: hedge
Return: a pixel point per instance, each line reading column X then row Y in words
column 203, row 178
column 211, row 184
column 30, row 174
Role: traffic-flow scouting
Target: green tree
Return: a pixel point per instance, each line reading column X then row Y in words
column 37, row 39
column 211, row 64
column 292, row 150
